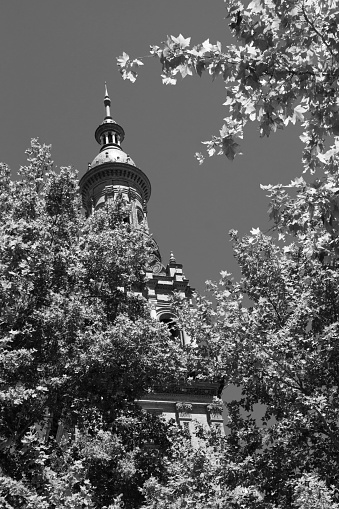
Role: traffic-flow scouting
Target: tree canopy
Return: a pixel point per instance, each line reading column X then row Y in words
column 77, row 347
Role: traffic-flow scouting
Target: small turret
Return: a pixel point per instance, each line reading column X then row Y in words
column 172, row 260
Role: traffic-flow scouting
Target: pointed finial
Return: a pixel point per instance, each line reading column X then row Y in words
column 172, row 259
column 107, row 103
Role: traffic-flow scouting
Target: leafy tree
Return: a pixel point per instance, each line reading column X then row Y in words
column 282, row 351
column 77, row 347
column 274, row 333
column 196, row 478
column 192, row 476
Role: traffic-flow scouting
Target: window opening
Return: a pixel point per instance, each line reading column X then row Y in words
column 172, row 326
column 186, row 426
column 140, row 216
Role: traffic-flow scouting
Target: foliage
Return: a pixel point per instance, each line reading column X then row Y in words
column 196, row 478
column 312, row 493
column 275, row 332
column 208, row 470
column 77, row 346
column 283, row 68
column 192, row 475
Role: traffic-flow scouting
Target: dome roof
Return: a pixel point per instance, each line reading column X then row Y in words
column 112, row 155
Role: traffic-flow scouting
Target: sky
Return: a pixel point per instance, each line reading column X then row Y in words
column 55, row 56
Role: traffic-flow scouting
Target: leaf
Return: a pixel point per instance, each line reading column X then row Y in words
column 255, row 231
column 255, row 6
column 250, row 110
column 207, row 46
column 230, row 147
column 183, row 43
column 185, row 69
column 168, row 80
column 129, row 75
column 137, row 62
column 298, row 114
column 199, row 156
column 123, row 60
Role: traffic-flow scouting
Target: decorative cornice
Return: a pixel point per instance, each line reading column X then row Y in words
column 206, row 389
column 133, row 176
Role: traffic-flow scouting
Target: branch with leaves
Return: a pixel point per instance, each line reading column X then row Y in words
column 282, row 68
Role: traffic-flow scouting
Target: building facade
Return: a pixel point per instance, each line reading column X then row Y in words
column 112, row 173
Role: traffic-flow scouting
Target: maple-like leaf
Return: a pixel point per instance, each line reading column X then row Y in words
column 255, row 231
column 298, row 114
column 183, row 43
column 207, row 46
column 123, row 60
column 185, row 70
column 230, row 147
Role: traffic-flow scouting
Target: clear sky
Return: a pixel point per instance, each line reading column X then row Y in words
column 54, row 58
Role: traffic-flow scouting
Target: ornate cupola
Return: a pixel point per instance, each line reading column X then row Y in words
column 113, row 172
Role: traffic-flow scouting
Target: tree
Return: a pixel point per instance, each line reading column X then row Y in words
column 192, row 475
column 274, row 333
column 77, row 347
column 281, row 349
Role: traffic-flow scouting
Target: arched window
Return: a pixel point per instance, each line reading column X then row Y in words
column 100, row 203
column 140, row 216
column 171, row 323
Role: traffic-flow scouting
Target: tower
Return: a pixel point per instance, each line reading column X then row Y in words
column 113, row 172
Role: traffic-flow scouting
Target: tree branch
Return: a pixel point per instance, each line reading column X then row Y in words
column 312, row 25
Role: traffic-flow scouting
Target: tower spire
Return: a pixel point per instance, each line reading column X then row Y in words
column 107, row 103
column 109, row 133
